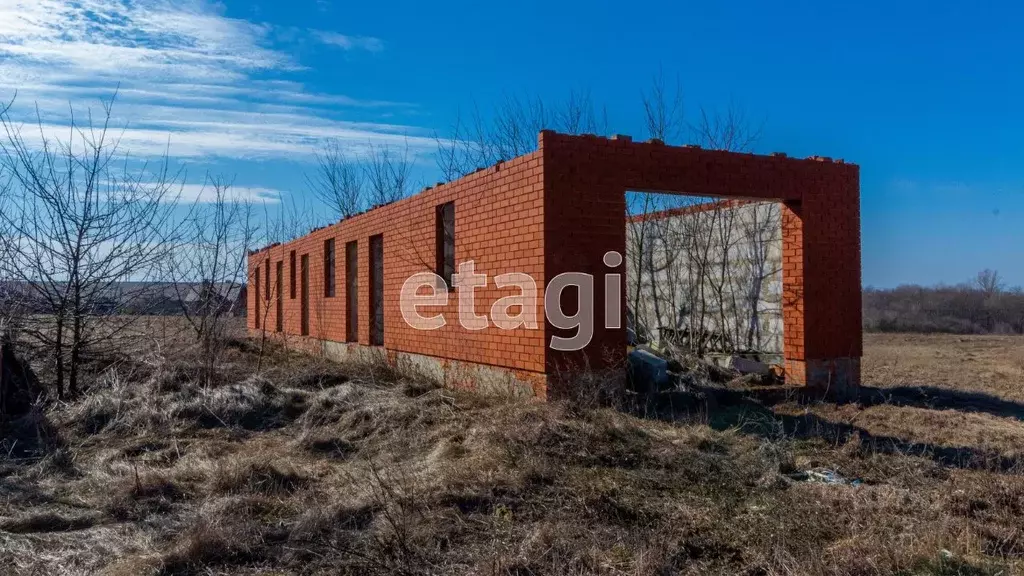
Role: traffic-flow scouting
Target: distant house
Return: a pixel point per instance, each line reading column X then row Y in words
column 144, row 298
column 228, row 297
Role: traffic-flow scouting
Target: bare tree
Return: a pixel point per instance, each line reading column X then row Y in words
column 663, row 109
column 991, row 286
column 663, row 119
column 15, row 388
column 86, row 222
column 338, row 179
column 989, row 282
column 511, row 130
column 388, row 174
column 730, row 130
column 642, row 231
column 454, row 156
column 515, row 125
column 282, row 222
column 9, row 291
column 701, row 271
column 761, row 272
column 208, row 267
column 577, row 115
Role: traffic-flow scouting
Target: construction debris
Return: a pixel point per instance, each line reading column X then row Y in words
column 647, row 370
column 824, row 476
column 749, row 366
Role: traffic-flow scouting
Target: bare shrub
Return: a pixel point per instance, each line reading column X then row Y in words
column 86, row 227
column 207, row 268
column 585, row 388
column 397, row 540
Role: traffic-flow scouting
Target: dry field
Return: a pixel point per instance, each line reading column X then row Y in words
column 314, row 468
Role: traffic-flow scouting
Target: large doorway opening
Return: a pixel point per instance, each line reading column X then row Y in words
column 704, row 275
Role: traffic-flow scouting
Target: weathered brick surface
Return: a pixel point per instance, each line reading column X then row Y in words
column 498, row 225
column 585, row 182
column 560, row 209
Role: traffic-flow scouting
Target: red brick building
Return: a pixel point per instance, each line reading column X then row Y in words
column 561, row 209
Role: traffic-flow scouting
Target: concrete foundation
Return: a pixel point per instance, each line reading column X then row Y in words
column 835, row 378
column 489, row 380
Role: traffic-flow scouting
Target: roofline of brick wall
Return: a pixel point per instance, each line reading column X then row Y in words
column 540, row 139
column 494, row 168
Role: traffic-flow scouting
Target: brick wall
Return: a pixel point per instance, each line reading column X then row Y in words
column 560, row 209
column 498, row 224
column 586, row 179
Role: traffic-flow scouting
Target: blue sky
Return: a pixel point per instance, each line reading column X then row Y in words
column 925, row 96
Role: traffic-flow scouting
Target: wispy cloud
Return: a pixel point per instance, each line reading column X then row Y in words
column 206, row 193
column 344, row 42
column 189, row 76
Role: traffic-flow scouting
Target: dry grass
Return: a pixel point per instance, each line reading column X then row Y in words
column 316, row 468
column 959, row 399
column 991, row 365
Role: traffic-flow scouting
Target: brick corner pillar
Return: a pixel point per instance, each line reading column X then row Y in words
column 821, row 275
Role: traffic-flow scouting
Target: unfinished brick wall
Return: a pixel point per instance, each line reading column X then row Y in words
column 560, row 209
column 498, row 225
column 586, row 178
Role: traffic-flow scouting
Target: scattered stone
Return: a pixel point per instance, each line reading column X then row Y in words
column 647, row 371
column 824, row 476
column 749, row 366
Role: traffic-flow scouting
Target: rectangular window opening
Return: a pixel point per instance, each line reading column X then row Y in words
column 377, row 290
column 304, row 302
column 291, row 274
column 352, row 292
column 329, row 289
column 445, row 235
column 256, row 297
column 280, row 296
column 266, row 287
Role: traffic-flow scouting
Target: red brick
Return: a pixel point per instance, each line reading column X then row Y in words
column 559, row 210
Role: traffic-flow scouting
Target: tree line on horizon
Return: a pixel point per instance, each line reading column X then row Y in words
column 984, row 305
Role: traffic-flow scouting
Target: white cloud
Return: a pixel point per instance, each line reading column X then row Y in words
column 205, row 193
column 208, row 84
column 344, row 42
